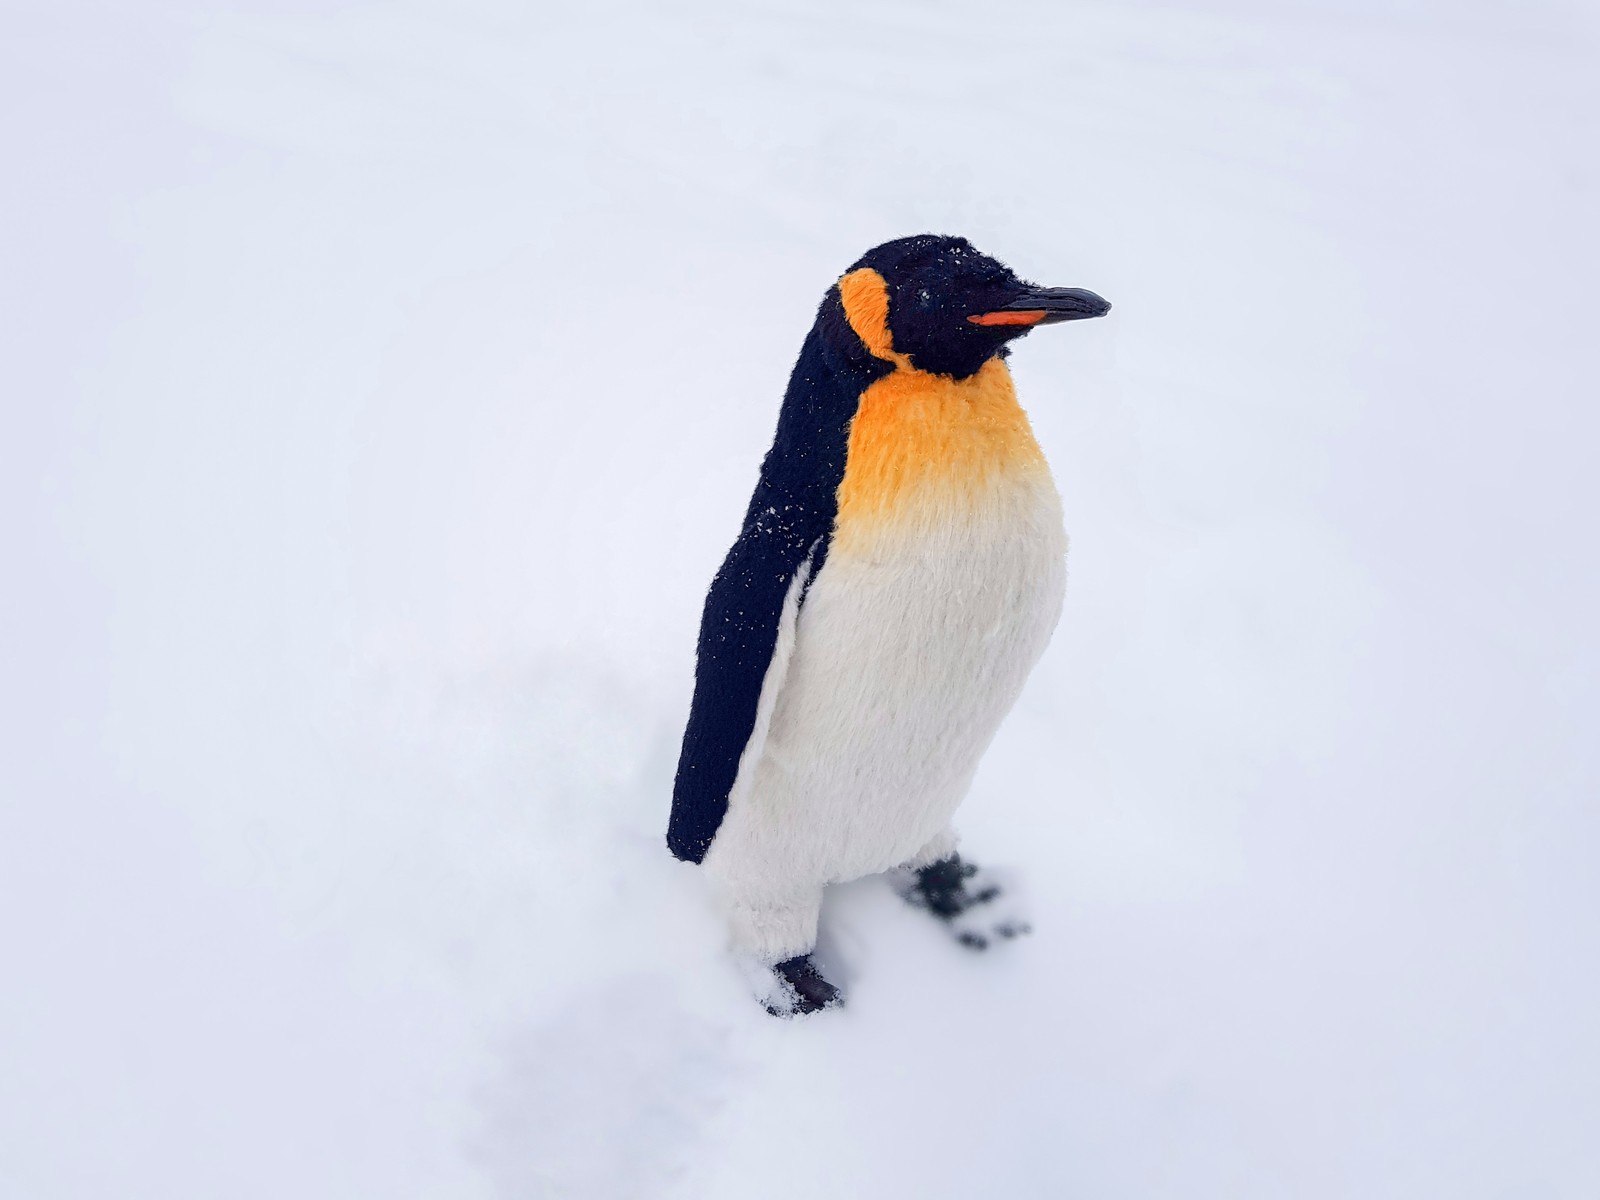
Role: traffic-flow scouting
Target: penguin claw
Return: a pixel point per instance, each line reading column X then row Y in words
column 801, row 989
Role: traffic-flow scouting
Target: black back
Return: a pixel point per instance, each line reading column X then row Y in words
column 790, row 519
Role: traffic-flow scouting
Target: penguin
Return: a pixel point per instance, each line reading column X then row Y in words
column 899, row 570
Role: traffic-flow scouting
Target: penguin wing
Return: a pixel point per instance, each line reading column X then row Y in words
column 746, row 637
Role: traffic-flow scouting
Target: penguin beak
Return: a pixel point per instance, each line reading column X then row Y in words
column 1046, row 306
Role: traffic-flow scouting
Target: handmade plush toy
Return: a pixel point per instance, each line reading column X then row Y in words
column 899, row 571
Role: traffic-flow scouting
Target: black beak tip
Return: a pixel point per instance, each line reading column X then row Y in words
column 1062, row 304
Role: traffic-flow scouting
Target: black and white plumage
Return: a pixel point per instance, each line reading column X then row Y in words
column 900, row 569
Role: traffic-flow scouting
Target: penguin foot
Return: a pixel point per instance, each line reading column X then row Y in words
column 966, row 899
column 800, row 989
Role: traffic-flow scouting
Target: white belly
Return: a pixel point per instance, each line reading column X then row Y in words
column 910, row 648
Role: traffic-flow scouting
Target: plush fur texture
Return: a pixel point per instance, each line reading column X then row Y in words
column 933, row 284
column 771, row 685
column 900, row 571
column 942, row 587
column 789, row 520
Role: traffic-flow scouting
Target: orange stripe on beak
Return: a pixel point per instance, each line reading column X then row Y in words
column 1030, row 316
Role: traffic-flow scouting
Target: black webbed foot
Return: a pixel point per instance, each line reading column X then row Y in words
column 801, row 989
column 964, row 898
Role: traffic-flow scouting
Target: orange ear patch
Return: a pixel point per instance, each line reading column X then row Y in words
column 865, row 296
column 1031, row 316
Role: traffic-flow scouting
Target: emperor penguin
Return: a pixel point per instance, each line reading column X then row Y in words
column 899, row 571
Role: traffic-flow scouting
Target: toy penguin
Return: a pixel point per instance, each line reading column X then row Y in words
column 899, row 572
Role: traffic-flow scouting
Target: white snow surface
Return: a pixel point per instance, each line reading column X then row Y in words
column 382, row 385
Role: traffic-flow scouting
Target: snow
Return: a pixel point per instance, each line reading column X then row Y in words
column 383, row 384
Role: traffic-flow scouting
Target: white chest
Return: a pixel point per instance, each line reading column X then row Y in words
column 909, row 650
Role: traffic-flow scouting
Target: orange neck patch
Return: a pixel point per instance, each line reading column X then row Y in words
column 928, row 449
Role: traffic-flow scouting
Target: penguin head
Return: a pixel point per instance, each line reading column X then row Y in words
column 936, row 304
